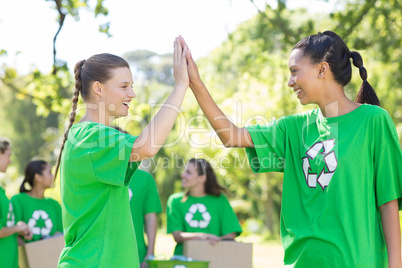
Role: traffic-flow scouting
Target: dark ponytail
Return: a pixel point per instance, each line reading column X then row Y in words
column 97, row 68
column 366, row 93
column 33, row 168
column 212, row 186
column 329, row 47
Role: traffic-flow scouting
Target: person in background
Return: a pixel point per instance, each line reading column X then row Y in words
column 8, row 229
column 42, row 214
column 144, row 205
column 202, row 212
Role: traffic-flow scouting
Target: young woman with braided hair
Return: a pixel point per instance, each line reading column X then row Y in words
column 342, row 183
column 97, row 161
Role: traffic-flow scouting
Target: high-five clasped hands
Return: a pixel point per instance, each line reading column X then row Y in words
column 228, row 133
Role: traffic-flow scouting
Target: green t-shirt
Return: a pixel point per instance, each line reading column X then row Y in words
column 8, row 245
column 144, row 199
column 209, row 214
column 337, row 172
column 95, row 172
column 43, row 216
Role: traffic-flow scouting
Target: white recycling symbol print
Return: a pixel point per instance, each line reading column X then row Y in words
column 130, row 194
column 40, row 214
column 206, row 217
column 323, row 178
column 10, row 216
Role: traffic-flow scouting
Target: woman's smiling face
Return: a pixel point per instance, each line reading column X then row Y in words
column 190, row 177
column 118, row 92
column 303, row 77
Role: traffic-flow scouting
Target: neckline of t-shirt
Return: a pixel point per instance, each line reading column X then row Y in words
column 34, row 197
column 341, row 117
column 198, row 197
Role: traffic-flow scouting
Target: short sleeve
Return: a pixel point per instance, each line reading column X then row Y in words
column 4, row 208
column 269, row 146
column 153, row 202
column 17, row 208
column 111, row 157
column 387, row 165
column 174, row 220
column 230, row 223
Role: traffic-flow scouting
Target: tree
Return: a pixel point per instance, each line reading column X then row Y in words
column 31, row 129
column 374, row 27
column 33, row 104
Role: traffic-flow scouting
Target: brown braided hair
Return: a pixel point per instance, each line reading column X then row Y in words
column 97, row 68
column 329, row 47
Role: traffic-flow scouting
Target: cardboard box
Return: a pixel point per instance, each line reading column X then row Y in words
column 176, row 264
column 41, row 254
column 225, row 254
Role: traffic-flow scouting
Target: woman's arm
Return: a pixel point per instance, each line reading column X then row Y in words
column 230, row 236
column 180, row 237
column 7, row 231
column 229, row 133
column 392, row 232
column 21, row 228
column 155, row 133
column 150, row 229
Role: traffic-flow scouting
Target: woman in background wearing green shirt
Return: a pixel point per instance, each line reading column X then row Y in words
column 342, row 182
column 202, row 212
column 8, row 229
column 145, row 204
column 42, row 214
column 97, row 161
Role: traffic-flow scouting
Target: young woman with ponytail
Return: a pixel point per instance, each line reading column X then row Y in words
column 42, row 214
column 9, row 227
column 203, row 196
column 97, row 161
column 342, row 183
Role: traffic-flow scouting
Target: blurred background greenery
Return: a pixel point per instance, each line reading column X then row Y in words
column 247, row 76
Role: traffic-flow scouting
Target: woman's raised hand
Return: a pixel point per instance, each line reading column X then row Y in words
column 180, row 64
column 229, row 134
column 154, row 135
column 192, row 67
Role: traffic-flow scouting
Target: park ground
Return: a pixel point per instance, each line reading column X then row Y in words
column 265, row 253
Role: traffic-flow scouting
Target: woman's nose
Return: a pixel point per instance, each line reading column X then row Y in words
column 291, row 83
column 131, row 94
